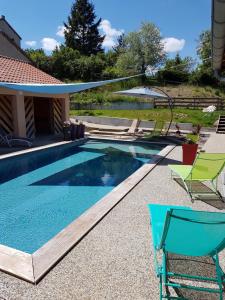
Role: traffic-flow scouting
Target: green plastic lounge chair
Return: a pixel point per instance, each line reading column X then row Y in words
column 159, row 125
column 157, row 131
column 185, row 232
column 206, row 168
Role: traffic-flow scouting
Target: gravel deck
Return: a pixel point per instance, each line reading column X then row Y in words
column 115, row 260
column 215, row 143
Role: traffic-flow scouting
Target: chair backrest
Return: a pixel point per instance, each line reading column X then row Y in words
column 159, row 125
column 207, row 166
column 182, row 126
column 2, row 132
column 193, row 233
column 133, row 126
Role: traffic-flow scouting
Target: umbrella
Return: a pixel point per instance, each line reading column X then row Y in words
column 145, row 92
column 141, row 92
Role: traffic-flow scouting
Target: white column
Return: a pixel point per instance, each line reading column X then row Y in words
column 19, row 121
column 65, row 108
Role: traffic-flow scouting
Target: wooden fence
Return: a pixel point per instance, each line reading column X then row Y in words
column 192, row 103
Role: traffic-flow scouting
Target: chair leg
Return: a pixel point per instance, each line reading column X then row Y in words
column 165, row 276
column 8, row 142
column 219, row 275
column 188, row 189
column 160, row 287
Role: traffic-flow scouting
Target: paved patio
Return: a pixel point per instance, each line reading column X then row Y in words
column 115, row 260
column 216, row 143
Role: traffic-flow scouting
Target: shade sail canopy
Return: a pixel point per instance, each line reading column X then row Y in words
column 55, row 89
column 141, row 92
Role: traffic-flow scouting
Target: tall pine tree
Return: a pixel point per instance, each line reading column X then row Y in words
column 81, row 31
column 120, row 46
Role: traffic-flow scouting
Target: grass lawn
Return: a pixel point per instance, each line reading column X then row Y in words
column 180, row 115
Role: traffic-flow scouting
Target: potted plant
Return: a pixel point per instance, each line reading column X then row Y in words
column 190, row 148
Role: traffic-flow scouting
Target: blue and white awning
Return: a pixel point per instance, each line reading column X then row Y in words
column 55, row 89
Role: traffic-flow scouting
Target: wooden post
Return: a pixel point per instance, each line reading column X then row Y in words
column 153, row 103
column 19, row 120
column 65, row 108
column 219, row 104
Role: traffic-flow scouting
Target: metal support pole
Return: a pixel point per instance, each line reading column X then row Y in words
column 170, row 103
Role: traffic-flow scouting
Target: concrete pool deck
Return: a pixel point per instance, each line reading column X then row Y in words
column 115, row 259
column 216, row 143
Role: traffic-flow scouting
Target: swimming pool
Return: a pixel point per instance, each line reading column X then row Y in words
column 44, row 191
column 52, row 196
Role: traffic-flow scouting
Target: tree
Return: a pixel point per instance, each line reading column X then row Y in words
column 143, row 48
column 128, row 64
column 65, row 65
column 120, row 46
column 204, row 72
column 181, row 64
column 91, row 67
column 81, row 31
column 176, row 69
column 40, row 59
column 204, row 49
column 68, row 64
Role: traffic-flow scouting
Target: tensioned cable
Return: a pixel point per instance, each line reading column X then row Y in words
column 187, row 63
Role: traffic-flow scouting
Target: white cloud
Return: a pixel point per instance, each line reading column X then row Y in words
column 108, row 42
column 49, row 44
column 60, row 30
column 31, row 43
column 172, row 44
column 111, row 34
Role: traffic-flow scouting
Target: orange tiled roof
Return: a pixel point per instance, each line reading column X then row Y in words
column 17, row 71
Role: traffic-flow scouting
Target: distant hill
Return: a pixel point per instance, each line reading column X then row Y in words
column 193, row 91
column 105, row 93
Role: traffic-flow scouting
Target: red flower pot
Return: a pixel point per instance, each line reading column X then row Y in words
column 189, row 153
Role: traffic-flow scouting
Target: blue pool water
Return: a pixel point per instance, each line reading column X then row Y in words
column 44, row 191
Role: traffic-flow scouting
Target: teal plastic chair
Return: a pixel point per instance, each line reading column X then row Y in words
column 185, row 232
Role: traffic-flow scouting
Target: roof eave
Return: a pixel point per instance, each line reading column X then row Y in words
column 218, row 34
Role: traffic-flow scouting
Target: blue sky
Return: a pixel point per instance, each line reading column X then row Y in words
column 180, row 21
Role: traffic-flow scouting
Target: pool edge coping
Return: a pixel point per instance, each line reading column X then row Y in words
column 38, row 148
column 33, row 267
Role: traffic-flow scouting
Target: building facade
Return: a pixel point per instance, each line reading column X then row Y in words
column 22, row 113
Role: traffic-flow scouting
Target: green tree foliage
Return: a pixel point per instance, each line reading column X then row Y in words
column 120, row 46
column 204, row 72
column 91, row 68
column 64, row 60
column 128, row 64
column 81, row 31
column 204, row 49
column 69, row 64
column 142, row 48
column 110, row 70
column 182, row 64
column 176, row 69
column 40, row 59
